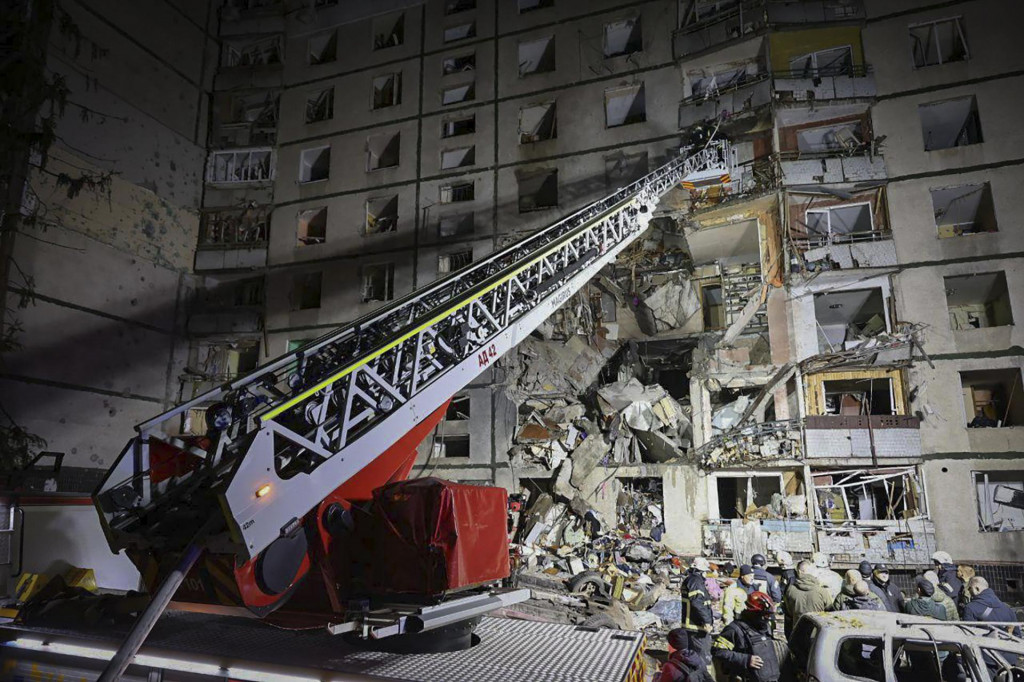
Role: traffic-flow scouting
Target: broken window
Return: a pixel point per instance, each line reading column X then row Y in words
column 537, row 123
column 382, row 151
column 460, row 32
column 456, row 225
column 457, row 191
column 640, row 508
column 312, row 227
column 537, row 56
column 262, row 52
column 978, row 300
column 381, row 215
column 939, row 42
column 306, row 288
column 951, row 123
column 860, row 658
column 835, row 61
column 387, row 90
column 928, row 659
column 739, row 496
column 1000, row 500
column 712, row 306
column 965, row 209
column 464, row 125
column 459, row 93
column 704, row 85
column 233, row 227
column 246, row 165
column 845, row 317
column 623, row 106
column 456, row 6
column 378, row 282
column 840, row 223
column 458, row 409
column 621, row 169
column 388, row 31
column 530, row 5
column 315, row 164
column 537, row 189
column 244, row 120
column 453, row 446
column 450, row 262
column 622, row 38
column 993, row 397
column 859, row 396
column 320, row 106
column 846, row 137
column 323, row 48
column 458, row 64
column 889, row 494
column 457, row 158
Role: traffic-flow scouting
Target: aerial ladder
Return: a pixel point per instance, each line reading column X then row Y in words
column 251, row 507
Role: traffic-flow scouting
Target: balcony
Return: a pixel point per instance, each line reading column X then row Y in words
column 233, row 239
column 736, row 99
column 800, row 168
column 231, row 308
column 901, row 542
column 241, row 166
column 252, row 16
column 708, row 28
column 814, row 11
column 847, row 82
column 844, row 437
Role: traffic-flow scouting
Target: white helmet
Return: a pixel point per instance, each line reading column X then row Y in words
column 942, row 558
column 784, row 558
column 820, row 560
column 701, row 564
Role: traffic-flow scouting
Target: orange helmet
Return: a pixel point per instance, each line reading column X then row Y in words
column 759, row 602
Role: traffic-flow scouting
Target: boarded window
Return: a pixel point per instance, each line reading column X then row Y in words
column 378, row 282
column 458, row 157
column 312, row 228
column 382, row 151
column 835, row 61
column 537, row 56
column 621, row 169
column 623, row 106
column 939, row 42
column 458, row 93
column 381, row 215
column 388, row 31
column 530, row 5
column 306, row 289
column 965, row 209
column 951, row 123
column 1000, row 500
column 839, row 223
column 622, row 38
column 457, row 191
column 456, row 225
column 991, row 397
column 320, row 106
column 537, row 123
column 315, row 164
column 537, row 190
column 458, row 64
column 387, row 90
column 323, row 48
column 460, row 32
column 453, row 127
column 978, row 300
column 450, row 262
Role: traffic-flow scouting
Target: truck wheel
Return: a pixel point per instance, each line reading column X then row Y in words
column 600, row 620
column 588, row 584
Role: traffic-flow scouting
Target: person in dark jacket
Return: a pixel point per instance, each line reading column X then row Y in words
column 765, row 581
column 683, row 665
column 949, row 582
column 865, row 570
column 923, row 604
column 863, row 599
column 745, row 648
column 892, row 598
column 986, row 607
column 698, row 618
column 848, row 598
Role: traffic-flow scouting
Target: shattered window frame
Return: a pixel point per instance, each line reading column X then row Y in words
column 320, row 106
column 388, row 31
column 926, row 50
column 456, row 6
column 832, row 236
column 546, row 127
column 388, row 154
column 458, row 64
column 533, row 61
column 378, row 282
column 240, row 166
column 322, row 48
column 386, row 91
column 841, row 65
column 381, row 215
column 982, row 218
column 458, row 126
column 456, row 94
column 456, row 225
column 1004, row 496
column 525, row 6
column 909, row 496
column 255, row 53
column 969, row 132
column 307, row 290
column 750, row 494
column 457, row 192
column 464, row 31
column 992, row 310
column 458, row 157
column 448, row 263
column 528, row 202
column 315, row 165
column 988, row 397
column 629, row 116
column 459, row 408
column 312, row 227
column 634, row 40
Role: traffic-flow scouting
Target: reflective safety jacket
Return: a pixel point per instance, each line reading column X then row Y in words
column 696, row 602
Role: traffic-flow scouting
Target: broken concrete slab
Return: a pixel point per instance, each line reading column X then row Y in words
column 587, row 456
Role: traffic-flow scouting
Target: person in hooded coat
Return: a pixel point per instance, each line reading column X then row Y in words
column 805, row 595
column 847, row 599
column 683, row 665
column 923, row 604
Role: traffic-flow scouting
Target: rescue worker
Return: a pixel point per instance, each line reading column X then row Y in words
column 746, row 648
column 765, row 581
column 683, row 665
column 948, row 580
column 734, row 599
column 986, row 607
column 785, row 560
column 941, row 597
column 847, row 599
column 805, row 595
column 831, row 580
column 698, row 618
column 889, row 594
column 923, row 604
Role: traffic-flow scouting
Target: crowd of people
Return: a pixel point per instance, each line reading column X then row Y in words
column 742, row 606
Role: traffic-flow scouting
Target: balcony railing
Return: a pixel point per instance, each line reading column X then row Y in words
column 837, row 71
column 874, row 436
column 240, row 166
column 235, row 228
